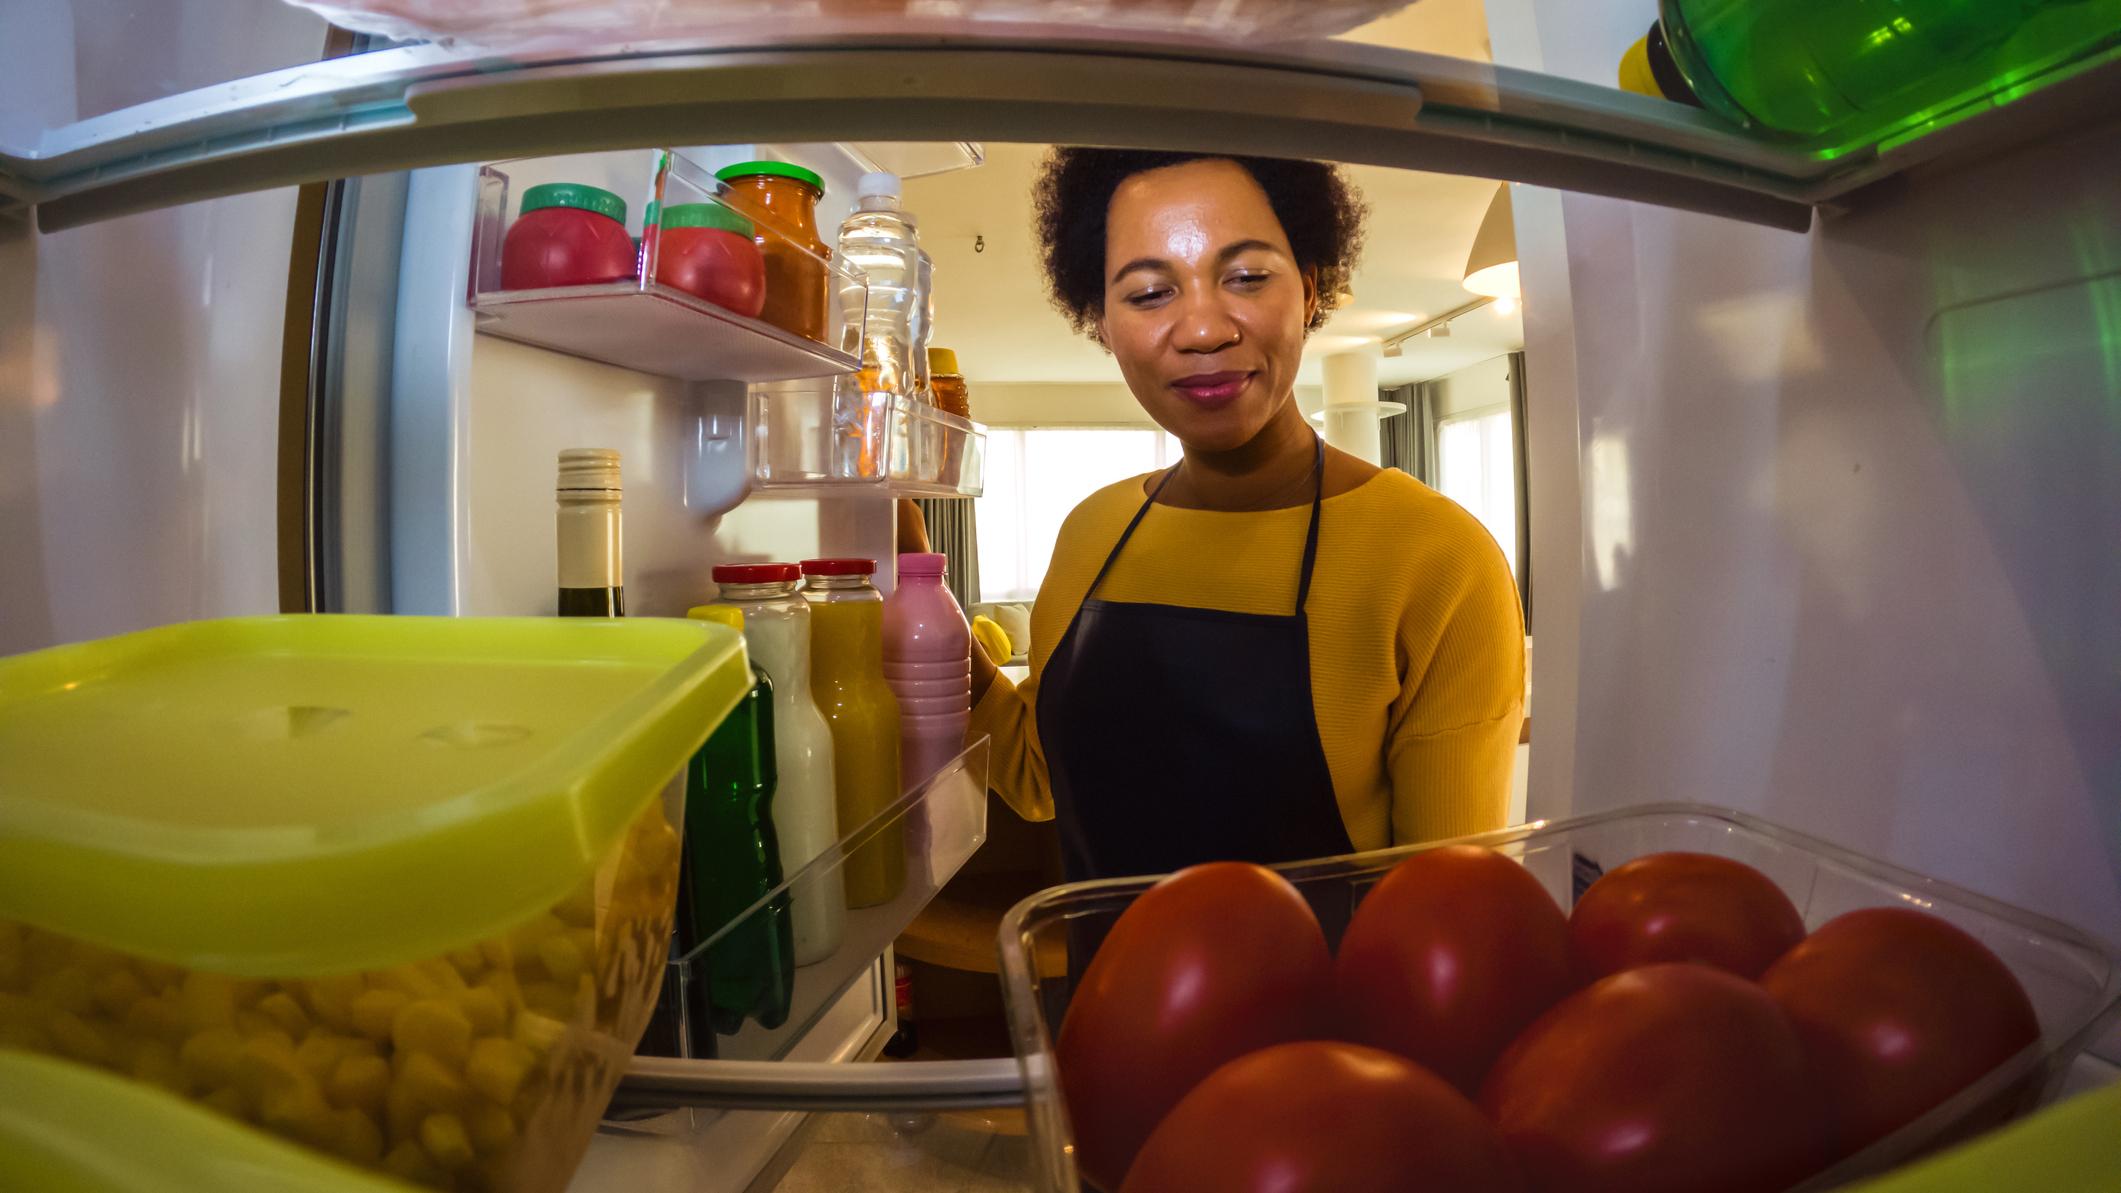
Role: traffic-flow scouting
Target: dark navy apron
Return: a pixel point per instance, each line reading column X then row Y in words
column 1175, row 736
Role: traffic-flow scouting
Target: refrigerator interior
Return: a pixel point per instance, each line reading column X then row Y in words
column 1823, row 523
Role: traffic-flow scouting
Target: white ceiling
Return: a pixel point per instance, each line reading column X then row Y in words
column 991, row 304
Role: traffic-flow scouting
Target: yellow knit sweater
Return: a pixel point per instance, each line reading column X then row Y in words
column 1417, row 643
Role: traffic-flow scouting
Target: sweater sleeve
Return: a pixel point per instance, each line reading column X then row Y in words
column 1017, row 764
column 1453, row 743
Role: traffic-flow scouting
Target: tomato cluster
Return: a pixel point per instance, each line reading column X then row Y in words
column 1677, row 1032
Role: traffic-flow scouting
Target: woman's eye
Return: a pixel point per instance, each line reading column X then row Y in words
column 1249, row 281
column 1147, row 298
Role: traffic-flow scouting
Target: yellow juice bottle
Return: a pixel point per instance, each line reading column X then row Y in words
column 847, row 681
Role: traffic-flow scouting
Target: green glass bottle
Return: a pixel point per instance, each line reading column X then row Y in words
column 733, row 862
column 1843, row 74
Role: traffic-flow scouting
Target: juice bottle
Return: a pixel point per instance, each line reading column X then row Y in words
column 734, row 861
column 1846, row 73
column 805, row 801
column 847, row 679
column 928, row 663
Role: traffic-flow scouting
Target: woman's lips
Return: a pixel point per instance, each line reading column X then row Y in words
column 1212, row 390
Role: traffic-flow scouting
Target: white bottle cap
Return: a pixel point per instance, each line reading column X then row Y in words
column 877, row 186
column 589, row 468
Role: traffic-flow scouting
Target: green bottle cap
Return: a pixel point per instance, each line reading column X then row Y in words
column 706, row 215
column 576, row 195
column 808, row 178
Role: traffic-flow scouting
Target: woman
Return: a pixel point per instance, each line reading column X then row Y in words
column 1272, row 650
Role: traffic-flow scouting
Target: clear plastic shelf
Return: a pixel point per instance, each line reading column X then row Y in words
column 931, row 829
column 641, row 324
column 833, row 438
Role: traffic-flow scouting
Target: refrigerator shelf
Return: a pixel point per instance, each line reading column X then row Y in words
column 834, row 440
column 655, row 329
column 932, row 829
column 640, row 323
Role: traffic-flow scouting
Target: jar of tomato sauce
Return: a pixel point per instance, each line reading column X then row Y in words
column 782, row 198
column 568, row 234
column 707, row 250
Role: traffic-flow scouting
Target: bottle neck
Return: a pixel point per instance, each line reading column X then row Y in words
column 590, row 539
column 838, row 584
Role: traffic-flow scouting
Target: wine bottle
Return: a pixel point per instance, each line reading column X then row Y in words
column 591, row 572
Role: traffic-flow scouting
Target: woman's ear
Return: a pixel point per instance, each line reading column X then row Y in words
column 1310, row 295
column 1097, row 332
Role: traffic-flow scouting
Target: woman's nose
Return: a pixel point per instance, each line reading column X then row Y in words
column 1205, row 324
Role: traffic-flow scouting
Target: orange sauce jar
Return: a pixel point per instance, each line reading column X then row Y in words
column 782, row 199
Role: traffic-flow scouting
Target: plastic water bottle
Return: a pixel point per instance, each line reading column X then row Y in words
column 928, row 663
column 881, row 240
column 1845, row 74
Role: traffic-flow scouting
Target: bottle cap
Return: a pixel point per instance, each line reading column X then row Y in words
column 839, row 567
column 756, row 573
column 577, row 195
column 923, row 563
column 731, row 617
column 879, row 186
column 1648, row 68
column 706, row 215
column 942, row 360
column 590, row 468
column 808, row 178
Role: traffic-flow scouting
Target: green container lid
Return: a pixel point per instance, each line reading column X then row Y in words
column 706, row 215
column 576, row 195
column 808, row 178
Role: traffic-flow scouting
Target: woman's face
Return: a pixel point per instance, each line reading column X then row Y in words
column 1204, row 306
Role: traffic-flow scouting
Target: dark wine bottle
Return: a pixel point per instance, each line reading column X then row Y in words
column 591, row 562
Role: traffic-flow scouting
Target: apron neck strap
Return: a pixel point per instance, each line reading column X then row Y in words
column 1303, row 579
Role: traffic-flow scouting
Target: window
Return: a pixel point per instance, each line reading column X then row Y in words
column 1035, row 476
column 1476, row 466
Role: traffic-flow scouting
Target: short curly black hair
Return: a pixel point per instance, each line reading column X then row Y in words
column 1320, row 211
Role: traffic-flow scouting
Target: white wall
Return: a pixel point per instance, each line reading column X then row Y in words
column 1476, row 387
column 1825, row 525
column 139, row 358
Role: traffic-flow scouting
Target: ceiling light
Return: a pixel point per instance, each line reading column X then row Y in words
column 1491, row 269
column 1506, row 306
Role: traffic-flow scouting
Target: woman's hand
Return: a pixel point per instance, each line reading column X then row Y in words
column 912, row 529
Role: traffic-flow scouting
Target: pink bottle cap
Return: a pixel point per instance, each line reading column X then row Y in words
column 920, row 563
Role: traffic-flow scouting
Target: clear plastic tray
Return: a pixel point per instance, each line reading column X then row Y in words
column 641, row 324
column 2074, row 980
column 501, row 23
column 932, row 829
column 819, row 438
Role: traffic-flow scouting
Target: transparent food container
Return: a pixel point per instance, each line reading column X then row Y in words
column 396, row 888
column 641, row 323
column 2074, row 981
column 817, row 438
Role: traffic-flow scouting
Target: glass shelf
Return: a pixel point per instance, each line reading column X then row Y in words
column 641, row 324
column 833, row 439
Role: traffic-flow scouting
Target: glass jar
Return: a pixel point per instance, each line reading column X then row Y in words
column 782, row 198
column 847, row 681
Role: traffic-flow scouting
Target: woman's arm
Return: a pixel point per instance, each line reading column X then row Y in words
column 1006, row 713
column 1454, row 743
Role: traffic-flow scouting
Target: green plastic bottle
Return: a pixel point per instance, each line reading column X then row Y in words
column 733, row 861
column 1843, row 74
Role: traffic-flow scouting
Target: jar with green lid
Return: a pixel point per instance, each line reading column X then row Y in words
column 709, row 251
column 782, row 199
column 568, row 234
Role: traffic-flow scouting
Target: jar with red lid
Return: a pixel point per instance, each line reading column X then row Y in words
column 708, row 251
column 568, row 234
column 782, row 198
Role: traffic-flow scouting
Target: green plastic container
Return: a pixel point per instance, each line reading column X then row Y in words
column 1844, row 74
column 397, row 888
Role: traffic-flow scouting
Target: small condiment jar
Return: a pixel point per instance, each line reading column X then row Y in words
column 568, row 234
column 708, row 251
column 782, row 199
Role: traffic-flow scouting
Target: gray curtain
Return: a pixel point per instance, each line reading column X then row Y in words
column 1518, row 433
column 1408, row 441
column 951, row 531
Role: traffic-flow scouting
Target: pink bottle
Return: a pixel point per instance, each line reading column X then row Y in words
column 928, row 663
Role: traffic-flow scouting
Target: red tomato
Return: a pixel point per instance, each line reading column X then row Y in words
column 1898, row 1011
column 1682, row 907
column 1448, row 958
column 1319, row 1117
column 1211, row 963
column 1667, row 1079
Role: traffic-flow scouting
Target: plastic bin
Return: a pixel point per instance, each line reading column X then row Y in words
column 396, row 888
column 2074, row 981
